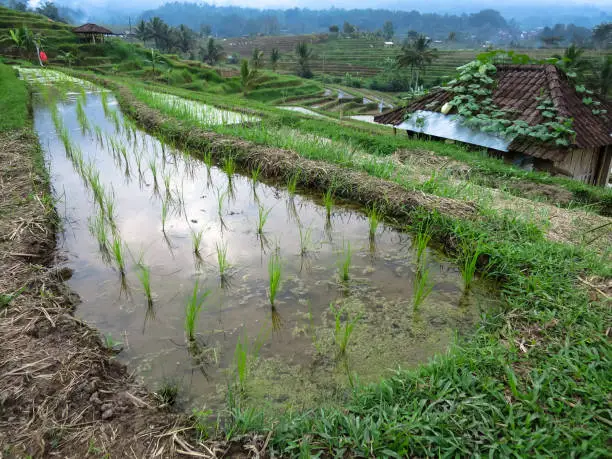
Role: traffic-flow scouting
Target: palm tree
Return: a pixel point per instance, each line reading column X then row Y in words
column 416, row 54
column 274, row 58
column 185, row 38
column 258, row 58
column 142, row 31
column 573, row 62
column 247, row 77
column 303, row 54
column 23, row 39
column 212, row 53
column 159, row 32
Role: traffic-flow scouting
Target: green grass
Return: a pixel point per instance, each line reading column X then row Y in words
column 192, row 310
column 13, row 100
column 274, row 276
column 533, row 378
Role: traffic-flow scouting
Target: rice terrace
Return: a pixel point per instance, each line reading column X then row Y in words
column 237, row 232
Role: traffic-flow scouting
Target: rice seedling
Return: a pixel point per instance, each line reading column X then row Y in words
column 262, row 217
column 345, row 263
column 97, row 227
column 117, row 252
column 244, row 356
column 104, row 100
column 196, row 238
column 274, row 271
column 82, row 116
column 192, row 310
column 255, row 174
column 328, row 201
column 305, row 240
column 374, row 220
column 207, row 158
column 470, row 252
column 421, row 240
column 292, row 184
column 222, row 261
column 422, row 287
column 112, row 344
column 342, row 334
column 64, row 136
column 168, row 392
column 229, row 166
column 144, row 274
column 109, row 207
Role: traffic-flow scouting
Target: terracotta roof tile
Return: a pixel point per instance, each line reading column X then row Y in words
column 517, row 89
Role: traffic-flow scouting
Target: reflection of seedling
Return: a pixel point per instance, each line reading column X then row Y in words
column 345, row 263
column 164, row 212
column 305, row 240
column 262, row 218
column 342, row 335
column 153, row 167
column 82, row 116
column 274, row 271
column 220, row 200
column 374, row 220
column 97, row 226
column 194, row 306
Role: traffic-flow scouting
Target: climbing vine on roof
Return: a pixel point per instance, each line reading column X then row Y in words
column 473, row 101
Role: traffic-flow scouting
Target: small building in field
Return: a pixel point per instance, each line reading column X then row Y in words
column 518, row 91
column 92, row 33
column 389, row 44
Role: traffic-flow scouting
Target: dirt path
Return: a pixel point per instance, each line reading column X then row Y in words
column 61, row 392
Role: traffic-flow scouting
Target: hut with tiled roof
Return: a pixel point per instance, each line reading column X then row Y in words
column 92, row 32
column 518, row 92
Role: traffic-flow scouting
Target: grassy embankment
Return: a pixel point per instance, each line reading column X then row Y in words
column 534, row 379
column 354, row 137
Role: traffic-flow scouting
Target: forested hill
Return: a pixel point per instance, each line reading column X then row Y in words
column 236, row 21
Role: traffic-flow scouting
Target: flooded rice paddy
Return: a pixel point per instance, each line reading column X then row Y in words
column 345, row 305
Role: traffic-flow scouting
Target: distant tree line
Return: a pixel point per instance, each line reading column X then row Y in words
column 48, row 9
column 237, row 21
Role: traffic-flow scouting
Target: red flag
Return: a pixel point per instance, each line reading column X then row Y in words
column 43, row 56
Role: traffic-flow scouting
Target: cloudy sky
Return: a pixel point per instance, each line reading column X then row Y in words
column 423, row 5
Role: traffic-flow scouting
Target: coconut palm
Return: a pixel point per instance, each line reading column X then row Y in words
column 416, row 54
column 274, row 58
column 258, row 58
column 23, row 39
column 573, row 62
column 159, row 31
column 247, row 77
column 303, row 54
column 142, row 31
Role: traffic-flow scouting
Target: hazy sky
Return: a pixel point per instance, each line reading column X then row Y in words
column 423, row 5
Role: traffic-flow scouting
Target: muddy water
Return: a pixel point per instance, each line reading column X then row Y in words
column 297, row 363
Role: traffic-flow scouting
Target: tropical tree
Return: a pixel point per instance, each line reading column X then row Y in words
column 185, row 38
column 303, row 54
column 159, row 32
column 602, row 35
column 154, row 60
column 334, row 29
column 258, row 58
column 416, row 55
column 573, row 62
column 23, row 39
column 205, row 30
column 348, row 28
column 452, row 36
column 49, row 10
column 605, row 76
column 142, row 31
column 67, row 57
column 388, row 30
column 248, row 77
column 274, row 58
column 212, row 53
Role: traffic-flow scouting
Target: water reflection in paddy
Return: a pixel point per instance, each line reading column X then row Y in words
column 297, row 362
